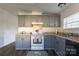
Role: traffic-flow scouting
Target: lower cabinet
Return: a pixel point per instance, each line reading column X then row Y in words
column 52, row 41
column 56, row 43
column 18, row 42
column 66, row 47
column 48, row 42
column 72, row 48
column 23, row 42
column 59, row 46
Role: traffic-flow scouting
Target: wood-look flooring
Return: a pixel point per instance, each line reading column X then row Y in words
column 10, row 50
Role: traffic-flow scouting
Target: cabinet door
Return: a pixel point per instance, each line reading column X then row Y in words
column 52, row 41
column 46, row 42
column 60, row 46
column 39, row 17
column 52, row 24
column 54, row 21
column 31, row 18
column 26, row 42
column 49, row 42
column 18, row 42
column 45, row 20
column 61, row 51
column 71, row 48
column 28, row 21
column 21, row 21
column 57, row 20
column 56, row 43
column 34, row 18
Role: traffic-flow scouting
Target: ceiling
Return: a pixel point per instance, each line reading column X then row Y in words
column 17, row 8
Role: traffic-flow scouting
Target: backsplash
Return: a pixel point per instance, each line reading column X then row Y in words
column 45, row 29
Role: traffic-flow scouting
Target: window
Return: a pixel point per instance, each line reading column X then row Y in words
column 72, row 21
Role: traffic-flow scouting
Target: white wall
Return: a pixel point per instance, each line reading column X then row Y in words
column 1, row 28
column 69, row 11
column 8, row 27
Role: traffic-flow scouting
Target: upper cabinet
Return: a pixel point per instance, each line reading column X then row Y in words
column 45, row 19
column 21, row 21
column 35, row 18
column 48, row 20
column 55, row 21
column 52, row 24
column 27, row 21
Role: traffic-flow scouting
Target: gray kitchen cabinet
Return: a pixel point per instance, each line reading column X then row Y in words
column 54, row 21
column 26, row 42
column 59, row 46
column 45, row 20
column 57, row 41
column 36, row 18
column 39, row 18
column 23, row 42
column 27, row 21
column 21, row 21
column 18, row 42
column 48, row 42
column 33, row 18
column 48, row 20
column 52, row 24
column 52, row 38
column 57, row 20
column 72, row 48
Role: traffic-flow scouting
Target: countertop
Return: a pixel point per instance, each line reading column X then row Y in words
column 72, row 38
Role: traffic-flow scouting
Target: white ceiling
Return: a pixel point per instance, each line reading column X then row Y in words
column 29, row 7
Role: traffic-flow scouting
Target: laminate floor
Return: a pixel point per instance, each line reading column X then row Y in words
column 10, row 50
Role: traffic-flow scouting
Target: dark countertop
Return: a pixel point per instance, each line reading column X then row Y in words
column 72, row 38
